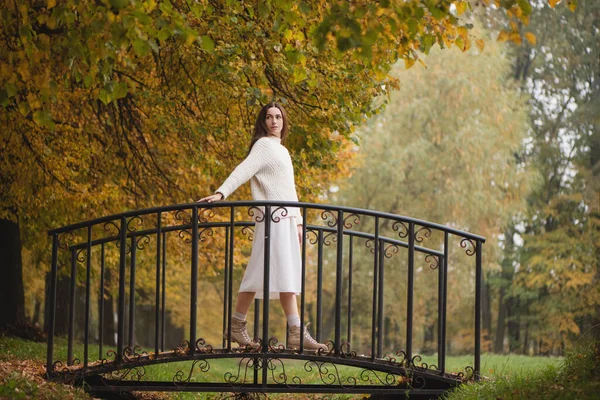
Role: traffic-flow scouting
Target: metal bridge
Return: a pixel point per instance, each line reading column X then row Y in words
column 182, row 263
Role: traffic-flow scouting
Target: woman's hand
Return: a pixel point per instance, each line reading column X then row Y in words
column 299, row 233
column 213, row 197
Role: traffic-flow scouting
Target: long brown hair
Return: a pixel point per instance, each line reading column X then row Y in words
column 260, row 127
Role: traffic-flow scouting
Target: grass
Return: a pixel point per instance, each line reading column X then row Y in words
column 506, row 376
column 576, row 378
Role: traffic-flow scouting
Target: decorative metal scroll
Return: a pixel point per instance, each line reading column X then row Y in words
column 433, row 261
column 468, row 244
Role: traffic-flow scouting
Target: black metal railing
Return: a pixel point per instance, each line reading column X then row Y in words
column 89, row 257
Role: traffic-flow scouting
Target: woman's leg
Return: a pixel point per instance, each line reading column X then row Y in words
column 244, row 301
column 290, row 307
column 288, row 303
column 239, row 333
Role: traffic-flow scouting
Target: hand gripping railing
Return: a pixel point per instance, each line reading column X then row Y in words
column 77, row 247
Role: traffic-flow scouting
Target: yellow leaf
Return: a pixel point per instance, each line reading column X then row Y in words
column 408, row 62
column 461, row 7
column 530, row 38
column 480, row 44
column 51, row 4
column 503, row 36
column 573, row 5
column 553, row 3
column 515, row 38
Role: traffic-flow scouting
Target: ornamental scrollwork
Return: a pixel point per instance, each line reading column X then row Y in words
column 178, row 378
column 390, row 250
column 241, row 377
column 112, row 228
column 248, row 231
column 64, row 239
column 423, row 233
column 202, row 347
column 256, row 213
column 433, row 261
column 329, row 217
column 329, row 238
column 134, row 223
column 81, row 255
column 470, row 247
column 204, row 214
column 401, row 228
column 350, row 220
column 183, row 216
column 278, row 213
column 142, row 241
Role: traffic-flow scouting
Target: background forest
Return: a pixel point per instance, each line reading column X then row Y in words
column 499, row 139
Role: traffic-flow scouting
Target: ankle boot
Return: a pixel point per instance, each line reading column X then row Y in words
column 309, row 342
column 239, row 334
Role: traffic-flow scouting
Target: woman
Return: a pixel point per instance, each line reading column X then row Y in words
column 269, row 168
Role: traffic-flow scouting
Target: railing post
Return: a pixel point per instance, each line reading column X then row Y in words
column 230, row 290
column 52, row 305
column 375, row 285
column 302, row 293
column 266, row 290
column 411, row 285
column 194, row 281
column 157, row 285
column 319, row 326
column 351, row 249
column 338, row 282
column 478, row 286
column 164, row 292
column 71, row 333
column 132, row 262
column 88, row 268
column 226, row 294
column 121, row 310
column 442, row 354
column 101, row 305
column 380, row 300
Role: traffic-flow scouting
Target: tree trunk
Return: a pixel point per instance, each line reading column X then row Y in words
column 486, row 311
column 501, row 324
column 514, row 328
column 12, row 298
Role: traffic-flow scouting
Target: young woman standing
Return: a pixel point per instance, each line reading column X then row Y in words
column 269, row 168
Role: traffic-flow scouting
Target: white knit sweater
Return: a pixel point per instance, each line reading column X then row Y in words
column 271, row 174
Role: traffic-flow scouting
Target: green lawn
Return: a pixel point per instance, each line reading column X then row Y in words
column 497, row 368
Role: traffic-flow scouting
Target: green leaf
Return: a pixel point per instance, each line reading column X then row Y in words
column 3, row 98
column 104, row 97
column 525, row 7
column 207, row 43
column 141, row 47
column 163, row 34
column 11, row 89
column 24, row 108
column 120, row 90
column 412, row 26
column 88, row 81
column 263, row 10
column 42, row 118
column 299, row 74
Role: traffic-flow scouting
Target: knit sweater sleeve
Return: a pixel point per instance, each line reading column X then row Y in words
column 257, row 159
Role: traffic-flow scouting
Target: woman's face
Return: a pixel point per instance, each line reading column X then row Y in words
column 274, row 121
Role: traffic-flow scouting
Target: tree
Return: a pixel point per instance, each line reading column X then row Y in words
column 547, row 279
column 443, row 151
column 119, row 104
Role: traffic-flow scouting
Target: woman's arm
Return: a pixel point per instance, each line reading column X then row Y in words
column 258, row 157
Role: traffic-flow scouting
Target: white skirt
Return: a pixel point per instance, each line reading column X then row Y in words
column 285, row 263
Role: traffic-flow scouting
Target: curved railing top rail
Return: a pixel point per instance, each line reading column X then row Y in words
column 303, row 205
